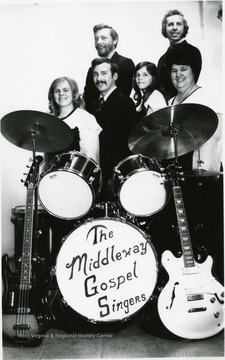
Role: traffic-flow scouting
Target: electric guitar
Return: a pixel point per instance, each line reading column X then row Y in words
column 191, row 305
column 26, row 314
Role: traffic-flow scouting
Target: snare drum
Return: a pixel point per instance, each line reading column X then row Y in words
column 67, row 190
column 106, row 270
column 140, row 186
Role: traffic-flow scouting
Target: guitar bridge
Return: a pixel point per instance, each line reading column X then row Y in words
column 193, row 297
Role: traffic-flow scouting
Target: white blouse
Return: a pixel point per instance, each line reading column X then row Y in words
column 89, row 131
column 155, row 102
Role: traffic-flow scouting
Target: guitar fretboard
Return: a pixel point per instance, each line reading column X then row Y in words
column 188, row 255
column 27, row 242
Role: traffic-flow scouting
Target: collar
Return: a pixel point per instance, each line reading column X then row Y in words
column 105, row 97
column 178, row 43
column 111, row 54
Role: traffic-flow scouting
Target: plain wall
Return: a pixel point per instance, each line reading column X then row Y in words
column 42, row 40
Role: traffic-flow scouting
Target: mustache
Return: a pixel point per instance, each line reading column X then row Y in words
column 100, row 82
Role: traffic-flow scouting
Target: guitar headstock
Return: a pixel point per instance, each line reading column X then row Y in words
column 32, row 176
column 174, row 173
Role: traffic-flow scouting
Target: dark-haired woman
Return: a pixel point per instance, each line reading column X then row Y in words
column 148, row 95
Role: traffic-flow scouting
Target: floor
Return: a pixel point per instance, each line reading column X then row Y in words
column 138, row 337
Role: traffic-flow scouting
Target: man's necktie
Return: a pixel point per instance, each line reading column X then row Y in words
column 100, row 105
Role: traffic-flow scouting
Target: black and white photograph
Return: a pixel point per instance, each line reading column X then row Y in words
column 112, row 192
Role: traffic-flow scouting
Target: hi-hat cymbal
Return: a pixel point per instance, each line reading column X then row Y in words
column 50, row 133
column 193, row 125
column 201, row 173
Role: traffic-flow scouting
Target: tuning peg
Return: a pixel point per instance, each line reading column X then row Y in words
column 22, row 181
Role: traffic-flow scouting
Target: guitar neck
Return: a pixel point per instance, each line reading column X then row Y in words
column 25, row 275
column 185, row 238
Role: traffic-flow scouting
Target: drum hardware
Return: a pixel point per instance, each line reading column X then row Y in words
column 67, row 190
column 152, row 136
column 200, row 172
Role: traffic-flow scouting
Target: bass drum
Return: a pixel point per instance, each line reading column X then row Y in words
column 68, row 189
column 106, row 270
column 139, row 185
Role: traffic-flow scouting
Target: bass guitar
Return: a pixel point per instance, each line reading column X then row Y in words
column 26, row 313
column 191, row 305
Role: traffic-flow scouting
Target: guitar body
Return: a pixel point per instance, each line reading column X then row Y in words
column 191, row 305
column 26, row 328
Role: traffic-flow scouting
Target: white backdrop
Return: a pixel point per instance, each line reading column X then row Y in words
column 42, row 40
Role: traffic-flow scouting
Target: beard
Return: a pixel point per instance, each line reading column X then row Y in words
column 105, row 51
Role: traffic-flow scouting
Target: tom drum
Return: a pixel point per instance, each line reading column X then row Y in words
column 139, row 184
column 68, row 189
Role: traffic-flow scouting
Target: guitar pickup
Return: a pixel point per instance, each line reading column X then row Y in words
column 21, row 326
column 193, row 297
column 193, row 310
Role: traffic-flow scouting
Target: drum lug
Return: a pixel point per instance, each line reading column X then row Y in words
column 91, row 180
column 120, row 176
column 142, row 162
column 93, row 175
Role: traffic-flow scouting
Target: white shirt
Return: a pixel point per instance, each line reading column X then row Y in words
column 155, row 102
column 105, row 97
column 89, row 131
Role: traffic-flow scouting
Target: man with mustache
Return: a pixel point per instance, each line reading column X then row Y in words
column 116, row 114
column 175, row 29
column 106, row 40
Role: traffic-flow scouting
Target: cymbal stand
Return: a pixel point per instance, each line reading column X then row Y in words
column 173, row 134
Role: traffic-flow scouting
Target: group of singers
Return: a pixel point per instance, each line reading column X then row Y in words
column 117, row 95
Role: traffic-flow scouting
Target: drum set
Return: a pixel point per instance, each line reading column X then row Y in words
column 107, row 267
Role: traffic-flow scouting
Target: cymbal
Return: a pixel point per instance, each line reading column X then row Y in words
column 51, row 134
column 201, row 173
column 193, row 125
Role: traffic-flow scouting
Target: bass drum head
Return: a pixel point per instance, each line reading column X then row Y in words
column 106, row 270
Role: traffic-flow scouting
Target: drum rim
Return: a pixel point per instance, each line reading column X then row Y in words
column 79, row 153
column 128, row 158
column 124, row 221
column 133, row 172
column 23, row 207
column 110, row 322
column 65, row 170
column 64, row 217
